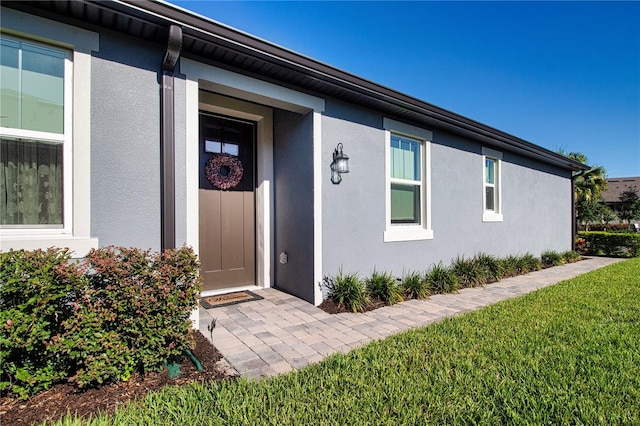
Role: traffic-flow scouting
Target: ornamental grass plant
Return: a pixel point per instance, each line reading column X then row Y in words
column 442, row 279
column 469, row 271
column 491, row 265
column 347, row 290
column 415, row 285
column 384, row 286
column 552, row 258
column 571, row 256
column 510, row 266
column 528, row 263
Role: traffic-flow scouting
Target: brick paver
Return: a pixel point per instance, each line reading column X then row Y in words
column 282, row 333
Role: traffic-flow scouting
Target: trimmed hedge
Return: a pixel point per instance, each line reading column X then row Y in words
column 607, row 227
column 609, row 244
column 118, row 311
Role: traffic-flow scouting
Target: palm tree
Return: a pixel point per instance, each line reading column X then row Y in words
column 588, row 184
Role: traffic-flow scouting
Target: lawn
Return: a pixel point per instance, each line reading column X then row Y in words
column 566, row 354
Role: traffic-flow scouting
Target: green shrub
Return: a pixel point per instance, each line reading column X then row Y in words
column 470, row 273
column 552, row 258
column 442, row 279
column 611, row 244
column 510, row 265
column 491, row 266
column 415, row 285
column 528, row 263
column 133, row 315
column 385, row 287
column 347, row 290
column 118, row 311
column 571, row 256
column 35, row 289
column 607, row 227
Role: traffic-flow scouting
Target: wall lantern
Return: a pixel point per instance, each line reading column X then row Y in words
column 339, row 165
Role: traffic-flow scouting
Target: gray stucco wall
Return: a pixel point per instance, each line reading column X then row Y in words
column 536, row 202
column 293, row 200
column 125, row 182
column 125, row 135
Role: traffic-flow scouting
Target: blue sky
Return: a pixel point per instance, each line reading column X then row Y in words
column 558, row 74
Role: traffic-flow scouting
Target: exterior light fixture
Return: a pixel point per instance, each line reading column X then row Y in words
column 339, row 165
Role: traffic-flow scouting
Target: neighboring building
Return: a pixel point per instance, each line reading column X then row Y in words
column 111, row 111
column 615, row 188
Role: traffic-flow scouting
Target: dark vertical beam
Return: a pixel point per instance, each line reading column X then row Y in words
column 574, row 223
column 167, row 139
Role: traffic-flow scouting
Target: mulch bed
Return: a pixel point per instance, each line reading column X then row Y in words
column 55, row 402
column 331, row 307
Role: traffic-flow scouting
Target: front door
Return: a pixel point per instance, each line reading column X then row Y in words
column 227, row 202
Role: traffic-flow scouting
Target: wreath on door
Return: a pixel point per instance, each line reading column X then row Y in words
column 223, row 171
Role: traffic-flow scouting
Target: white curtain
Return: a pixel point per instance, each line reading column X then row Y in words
column 30, row 183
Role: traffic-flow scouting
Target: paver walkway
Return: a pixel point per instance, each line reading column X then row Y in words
column 280, row 333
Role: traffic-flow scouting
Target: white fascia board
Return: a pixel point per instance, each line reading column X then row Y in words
column 240, row 86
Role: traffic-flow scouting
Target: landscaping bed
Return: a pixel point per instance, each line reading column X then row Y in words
column 55, row 402
column 349, row 292
column 331, row 307
column 565, row 354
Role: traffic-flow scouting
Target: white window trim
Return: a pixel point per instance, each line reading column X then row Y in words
column 492, row 215
column 408, row 232
column 76, row 233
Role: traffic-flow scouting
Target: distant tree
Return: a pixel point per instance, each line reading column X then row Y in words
column 593, row 211
column 629, row 207
column 607, row 214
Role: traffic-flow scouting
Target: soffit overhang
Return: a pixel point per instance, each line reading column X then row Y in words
column 215, row 43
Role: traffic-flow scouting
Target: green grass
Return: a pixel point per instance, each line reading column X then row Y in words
column 566, row 354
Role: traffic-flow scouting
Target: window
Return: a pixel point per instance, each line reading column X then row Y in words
column 45, row 133
column 33, row 134
column 491, row 185
column 408, row 181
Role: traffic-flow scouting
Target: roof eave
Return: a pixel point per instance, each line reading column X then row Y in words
column 435, row 115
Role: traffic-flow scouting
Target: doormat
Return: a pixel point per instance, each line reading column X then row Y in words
column 221, row 300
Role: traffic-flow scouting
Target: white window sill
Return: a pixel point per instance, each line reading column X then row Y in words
column 405, row 233
column 492, row 217
column 78, row 246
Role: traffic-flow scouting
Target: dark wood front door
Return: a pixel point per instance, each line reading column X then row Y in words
column 227, row 211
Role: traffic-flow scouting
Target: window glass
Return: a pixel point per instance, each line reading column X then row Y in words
column 9, row 84
column 216, row 147
column 406, row 180
column 405, row 158
column 405, row 203
column 30, row 183
column 32, row 87
column 489, row 170
column 231, row 149
column 489, row 198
